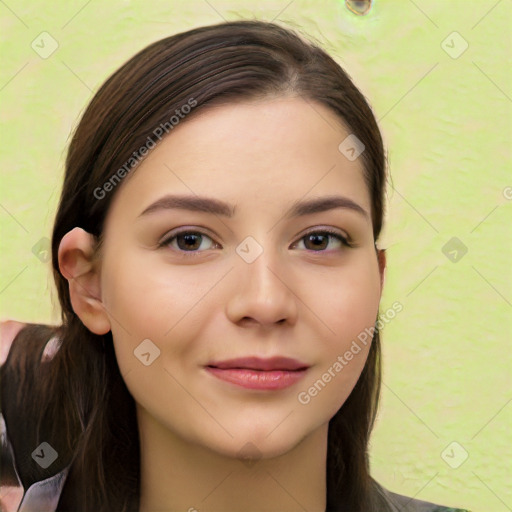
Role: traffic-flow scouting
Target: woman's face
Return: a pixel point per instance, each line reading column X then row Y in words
column 246, row 281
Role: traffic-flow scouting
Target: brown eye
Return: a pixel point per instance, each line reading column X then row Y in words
column 187, row 241
column 318, row 241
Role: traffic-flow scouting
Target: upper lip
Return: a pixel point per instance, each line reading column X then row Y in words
column 258, row 363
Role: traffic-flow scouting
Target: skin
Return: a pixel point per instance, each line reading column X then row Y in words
column 296, row 299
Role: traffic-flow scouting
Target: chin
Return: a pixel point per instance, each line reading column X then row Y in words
column 254, row 446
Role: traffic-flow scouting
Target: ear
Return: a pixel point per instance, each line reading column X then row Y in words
column 381, row 256
column 77, row 265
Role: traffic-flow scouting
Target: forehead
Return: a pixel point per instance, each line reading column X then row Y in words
column 261, row 153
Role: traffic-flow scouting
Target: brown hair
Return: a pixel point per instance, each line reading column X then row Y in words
column 78, row 400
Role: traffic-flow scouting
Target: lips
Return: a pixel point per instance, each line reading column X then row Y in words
column 257, row 363
column 256, row 373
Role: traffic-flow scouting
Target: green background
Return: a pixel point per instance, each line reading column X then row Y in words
column 446, row 117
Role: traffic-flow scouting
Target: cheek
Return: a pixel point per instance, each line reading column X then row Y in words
column 348, row 301
column 348, row 308
column 145, row 302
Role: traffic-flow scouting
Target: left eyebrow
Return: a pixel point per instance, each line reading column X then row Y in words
column 191, row 203
column 210, row 205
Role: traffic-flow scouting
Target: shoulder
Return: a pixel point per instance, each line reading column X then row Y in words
column 401, row 503
column 42, row 338
column 9, row 329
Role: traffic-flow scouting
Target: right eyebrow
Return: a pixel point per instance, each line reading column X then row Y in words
column 191, row 203
column 322, row 204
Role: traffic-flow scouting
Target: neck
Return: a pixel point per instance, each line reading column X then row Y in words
column 177, row 475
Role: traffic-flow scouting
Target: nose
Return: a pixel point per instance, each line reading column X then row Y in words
column 263, row 293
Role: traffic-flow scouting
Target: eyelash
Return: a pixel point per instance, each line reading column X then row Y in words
column 324, row 231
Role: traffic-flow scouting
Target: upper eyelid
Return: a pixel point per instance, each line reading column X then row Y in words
column 178, row 231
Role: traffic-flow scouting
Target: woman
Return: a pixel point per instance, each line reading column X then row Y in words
column 215, row 255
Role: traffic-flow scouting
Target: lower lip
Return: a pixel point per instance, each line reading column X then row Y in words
column 257, row 379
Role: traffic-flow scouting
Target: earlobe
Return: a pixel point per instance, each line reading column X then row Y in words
column 76, row 264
